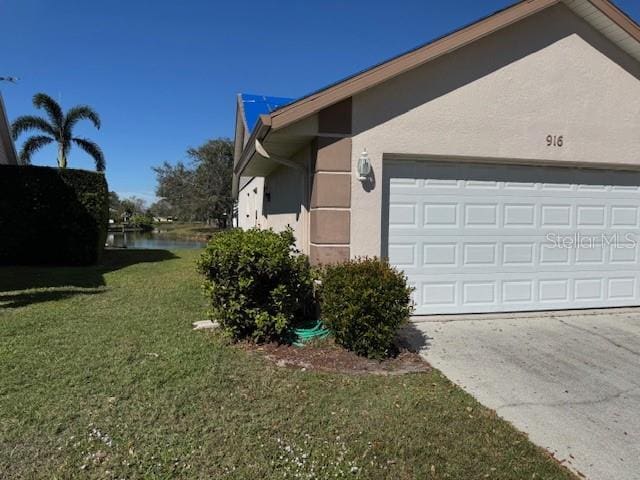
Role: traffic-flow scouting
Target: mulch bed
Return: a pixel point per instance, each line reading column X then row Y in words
column 326, row 356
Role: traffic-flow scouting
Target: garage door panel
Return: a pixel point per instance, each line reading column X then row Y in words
column 403, row 255
column 624, row 216
column 506, row 189
column 514, row 174
column 591, row 216
column 519, row 215
column 518, row 253
column 480, row 254
column 624, row 288
column 490, row 238
column 586, row 289
column 594, row 255
column 442, row 255
column 460, row 213
column 441, row 215
column 441, row 294
column 623, row 254
column 553, row 257
column 517, row 293
column 480, row 215
column 403, row 215
column 554, row 290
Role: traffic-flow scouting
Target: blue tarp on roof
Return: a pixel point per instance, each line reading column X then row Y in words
column 256, row 105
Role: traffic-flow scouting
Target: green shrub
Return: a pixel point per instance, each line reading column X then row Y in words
column 142, row 221
column 364, row 302
column 259, row 285
column 52, row 216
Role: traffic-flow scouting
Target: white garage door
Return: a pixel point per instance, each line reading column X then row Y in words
column 478, row 238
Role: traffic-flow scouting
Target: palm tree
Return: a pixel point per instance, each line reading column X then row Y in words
column 58, row 128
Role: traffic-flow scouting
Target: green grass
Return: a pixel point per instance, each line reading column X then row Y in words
column 109, row 350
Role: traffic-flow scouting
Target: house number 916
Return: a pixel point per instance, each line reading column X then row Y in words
column 555, row 141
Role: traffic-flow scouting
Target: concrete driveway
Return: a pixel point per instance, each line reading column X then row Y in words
column 571, row 381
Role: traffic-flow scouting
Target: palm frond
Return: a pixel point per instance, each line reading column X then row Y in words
column 31, row 122
column 81, row 112
column 32, row 145
column 92, row 149
column 44, row 101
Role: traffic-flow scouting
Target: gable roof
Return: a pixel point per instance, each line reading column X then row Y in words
column 5, row 136
column 602, row 14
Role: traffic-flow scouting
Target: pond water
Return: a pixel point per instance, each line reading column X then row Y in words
column 151, row 240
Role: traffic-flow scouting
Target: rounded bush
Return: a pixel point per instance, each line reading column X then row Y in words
column 259, row 285
column 364, row 302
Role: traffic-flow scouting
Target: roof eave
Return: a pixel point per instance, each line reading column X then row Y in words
column 315, row 102
column 618, row 17
column 260, row 131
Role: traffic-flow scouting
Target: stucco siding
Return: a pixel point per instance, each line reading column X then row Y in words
column 278, row 201
column 250, row 204
column 498, row 100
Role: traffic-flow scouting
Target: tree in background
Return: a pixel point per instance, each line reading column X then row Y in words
column 57, row 129
column 122, row 210
column 176, row 186
column 214, row 175
column 143, row 221
column 162, row 208
column 201, row 190
column 114, row 204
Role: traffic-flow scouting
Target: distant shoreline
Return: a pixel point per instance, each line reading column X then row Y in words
column 113, row 228
column 186, row 231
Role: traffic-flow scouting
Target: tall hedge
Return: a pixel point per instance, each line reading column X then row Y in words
column 52, row 216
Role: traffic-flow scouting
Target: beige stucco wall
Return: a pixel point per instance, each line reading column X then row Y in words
column 287, row 206
column 498, row 99
column 250, row 204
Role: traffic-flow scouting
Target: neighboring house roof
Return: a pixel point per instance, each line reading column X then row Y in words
column 8, row 146
column 252, row 106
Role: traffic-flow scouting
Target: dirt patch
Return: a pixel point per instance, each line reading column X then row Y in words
column 326, row 356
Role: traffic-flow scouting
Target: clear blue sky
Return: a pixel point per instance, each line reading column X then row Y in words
column 164, row 74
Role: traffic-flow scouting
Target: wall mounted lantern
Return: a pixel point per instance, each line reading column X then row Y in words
column 364, row 166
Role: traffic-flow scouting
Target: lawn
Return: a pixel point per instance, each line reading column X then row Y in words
column 101, row 376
